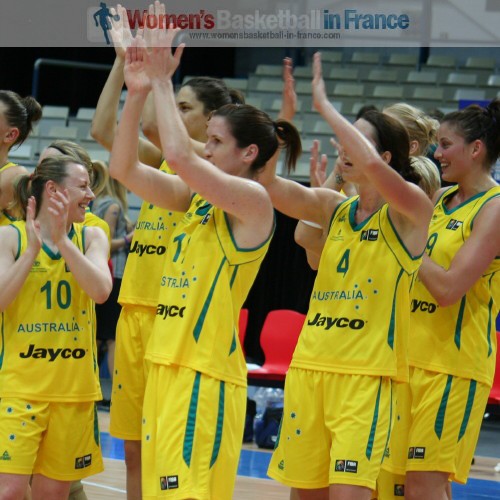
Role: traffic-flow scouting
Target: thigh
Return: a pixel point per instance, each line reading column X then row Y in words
column 21, row 433
column 192, row 434
column 129, row 380
column 397, row 451
column 70, row 448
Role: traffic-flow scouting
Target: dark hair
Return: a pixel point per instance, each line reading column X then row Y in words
column 52, row 168
column 250, row 125
column 213, row 93
column 364, row 109
column 20, row 112
column 392, row 136
column 475, row 122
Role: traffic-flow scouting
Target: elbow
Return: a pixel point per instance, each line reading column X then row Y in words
column 447, row 299
column 150, row 131
column 99, row 134
column 176, row 159
column 102, row 294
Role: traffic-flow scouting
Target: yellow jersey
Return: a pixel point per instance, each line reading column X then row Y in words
column 141, row 278
column 47, row 350
column 460, row 339
column 358, row 314
column 205, row 280
column 5, row 218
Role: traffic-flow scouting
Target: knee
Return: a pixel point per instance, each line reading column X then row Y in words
column 132, row 455
column 14, row 492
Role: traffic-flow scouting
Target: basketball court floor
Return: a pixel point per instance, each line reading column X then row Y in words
column 253, row 484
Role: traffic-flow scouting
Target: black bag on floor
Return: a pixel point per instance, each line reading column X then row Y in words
column 249, row 419
column 266, row 431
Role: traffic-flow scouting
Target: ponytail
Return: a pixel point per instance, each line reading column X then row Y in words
column 290, row 141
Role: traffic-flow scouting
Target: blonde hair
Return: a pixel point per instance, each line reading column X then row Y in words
column 98, row 171
column 109, row 186
column 420, row 126
column 430, row 181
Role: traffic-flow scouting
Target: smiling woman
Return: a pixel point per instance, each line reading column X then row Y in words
column 60, row 267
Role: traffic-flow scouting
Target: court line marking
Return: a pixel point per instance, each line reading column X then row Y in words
column 103, row 486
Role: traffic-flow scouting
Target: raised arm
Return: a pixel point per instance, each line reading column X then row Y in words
column 245, row 201
column 167, row 191
column 13, row 273
column 448, row 286
column 406, row 200
column 104, row 123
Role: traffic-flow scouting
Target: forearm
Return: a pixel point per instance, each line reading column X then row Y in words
column 175, row 142
column 13, row 278
column 104, row 122
column 124, row 152
column 95, row 280
column 438, row 281
column 149, row 123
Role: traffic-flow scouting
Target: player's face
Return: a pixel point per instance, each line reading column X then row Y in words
column 221, row 148
column 192, row 113
column 350, row 171
column 452, row 153
column 77, row 185
column 5, row 129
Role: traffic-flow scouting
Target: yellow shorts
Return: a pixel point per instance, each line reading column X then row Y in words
column 447, row 412
column 335, row 429
column 397, row 451
column 390, row 486
column 192, row 434
column 129, row 380
column 58, row 440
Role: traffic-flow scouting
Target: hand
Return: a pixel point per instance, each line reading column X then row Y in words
column 33, row 230
column 289, row 101
column 120, row 31
column 317, row 166
column 318, row 84
column 58, row 209
column 159, row 62
column 134, row 71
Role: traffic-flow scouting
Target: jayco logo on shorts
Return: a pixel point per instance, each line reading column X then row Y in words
column 52, row 354
column 328, row 322
column 165, row 311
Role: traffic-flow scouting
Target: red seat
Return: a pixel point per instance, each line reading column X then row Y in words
column 242, row 326
column 494, row 398
column 278, row 339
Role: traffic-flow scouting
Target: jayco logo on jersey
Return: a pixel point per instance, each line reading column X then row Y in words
column 172, row 311
column 453, row 225
column 141, row 249
column 421, row 305
column 328, row 322
column 369, row 235
column 51, row 354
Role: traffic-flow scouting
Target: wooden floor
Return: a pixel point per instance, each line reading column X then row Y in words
column 111, row 483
